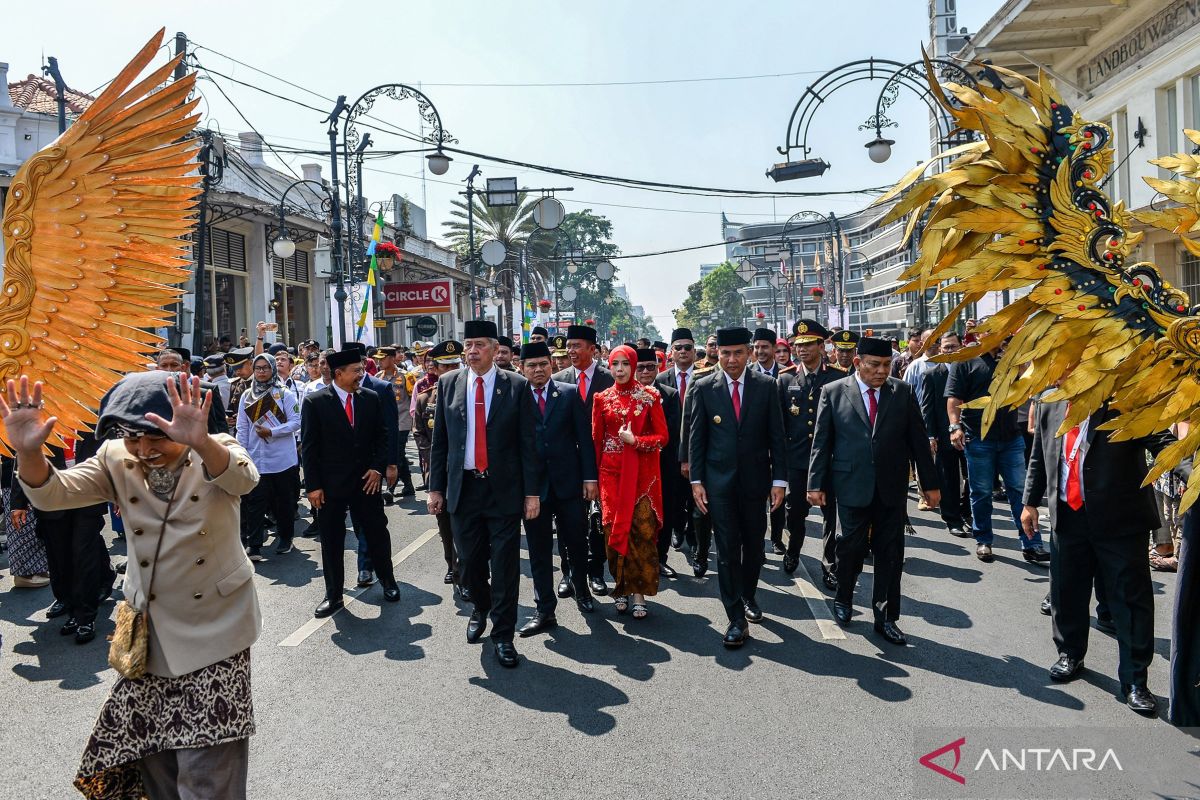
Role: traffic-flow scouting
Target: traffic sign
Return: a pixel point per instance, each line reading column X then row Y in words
column 425, row 326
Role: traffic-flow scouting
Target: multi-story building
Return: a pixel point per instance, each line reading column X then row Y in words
column 1134, row 65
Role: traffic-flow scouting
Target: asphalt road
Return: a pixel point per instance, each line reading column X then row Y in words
column 390, row 700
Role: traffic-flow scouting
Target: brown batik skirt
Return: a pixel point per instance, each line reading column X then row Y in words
column 636, row 572
column 209, row 706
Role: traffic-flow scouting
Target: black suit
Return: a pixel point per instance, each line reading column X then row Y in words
column 486, row 507
column 737, row 459
column 564, row 439
column 80, row 569
column 1105, row 539
column 336, row 457
column 677, row 512
column 868, row 471
column 601, row 379
column 391, row 416
column 951, row 462
column 800, row 396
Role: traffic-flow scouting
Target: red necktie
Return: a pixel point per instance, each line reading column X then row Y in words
column 1074, row 487
column 682, row 386
column 350, row 409
column 872, row 407
column 481, row 462
column 737, row 402
column 583, row 386
column 541, row 395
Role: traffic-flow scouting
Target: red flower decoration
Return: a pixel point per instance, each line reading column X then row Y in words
column 387, row 250
column 544, row 305
column 817, row 291
column 760, row 315
column 589, row 322
column 612, row 332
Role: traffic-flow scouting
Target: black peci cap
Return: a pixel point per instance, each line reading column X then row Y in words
column 585, row 332
column 728, row 337
column 480, row 329
column 870, row 346
column 534, row 350
column 682, row 333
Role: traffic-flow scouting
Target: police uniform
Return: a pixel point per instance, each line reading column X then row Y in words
column 216, row 363
column 844, row 340
column 401, row 387
column 234, row 359
column 448, row 352
column 558, row 349
column 800, row 392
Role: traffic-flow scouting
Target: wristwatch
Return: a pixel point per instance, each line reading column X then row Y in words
column 955, row 427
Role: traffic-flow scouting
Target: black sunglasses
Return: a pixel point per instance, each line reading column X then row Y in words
column 647, row 366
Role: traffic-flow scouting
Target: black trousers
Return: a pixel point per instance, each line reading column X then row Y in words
column 1077, row 558
column 778, row 518
column 80, row 568
column 955, row 506
column 403, row 469
column 366, row 513
column 701, row 530
column 446, row 533
column 677, row 513
column 489, row 545
column 597, row 554
column 275, row 494
column 880, row 529
column 740, row 528
column 567, row 518
column 797, row 511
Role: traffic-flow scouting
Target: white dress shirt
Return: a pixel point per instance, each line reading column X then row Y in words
column 489, row 387
column 1064, row 463
column 688, row 376
column 590, row 372
column 277, row 453
column 862, row 393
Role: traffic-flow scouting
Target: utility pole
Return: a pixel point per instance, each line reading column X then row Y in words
column 338, row 264
column 60, row 87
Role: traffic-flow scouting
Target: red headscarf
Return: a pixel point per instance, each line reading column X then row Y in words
column 623, row 514
column 630, row 354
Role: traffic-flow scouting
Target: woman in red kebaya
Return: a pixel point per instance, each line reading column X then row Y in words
column 629, row 429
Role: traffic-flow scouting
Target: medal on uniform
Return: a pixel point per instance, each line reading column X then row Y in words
column 795, row 410
column 717, row 419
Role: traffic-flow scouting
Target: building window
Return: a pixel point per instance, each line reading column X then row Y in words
column 1194, row 86
column 1189, row 272
column 226, row 249
column 1168, row 115
column 291, row 292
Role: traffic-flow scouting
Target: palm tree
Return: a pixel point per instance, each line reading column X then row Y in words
column 509, row 225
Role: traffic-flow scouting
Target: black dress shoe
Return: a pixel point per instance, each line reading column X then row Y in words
column 506, row 654
column 586, row 604
column 365, row 578
column 1066, row 668
column 1037, row 555
column 1141, row 699
column 448, row 577
column 829, row 579
column 598, row 587
column 56, row 609
column 476, row 625
column 790, row 563
column 1106, row 624
column 778, row 549
column 105, row 594
column 69, row 627
column 409, row 491
column 328, row 608
column 465, row 594
column 392, row 593
column 1046, row 605
column 539, row 623
column 735, row 636
column 676, row 541
column 753, row 612
column 842, row 613
column 667, row 571
column 700, row 565
column 565, row 589
column 890, row 631
column 85, row 633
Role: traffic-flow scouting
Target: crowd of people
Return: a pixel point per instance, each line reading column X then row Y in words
column 622, row 456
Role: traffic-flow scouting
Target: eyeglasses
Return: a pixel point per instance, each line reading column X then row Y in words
column 683, row 347
column 647, row 367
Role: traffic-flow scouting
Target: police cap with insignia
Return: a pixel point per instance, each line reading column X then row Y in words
column 480, row 329
column 215, row 361
column 534, row 350
column 805, row 331
column 238, row 356
column 447, row 352
column 558, row 347
column 729, row 337
column 387, row 351
column 870, row 346
column 845, row 340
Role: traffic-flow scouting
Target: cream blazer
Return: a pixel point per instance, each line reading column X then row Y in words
column 204, row 607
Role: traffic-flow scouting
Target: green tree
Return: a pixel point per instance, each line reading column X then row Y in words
column 714, row 296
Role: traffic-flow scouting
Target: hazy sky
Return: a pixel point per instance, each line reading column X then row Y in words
column 720, row 133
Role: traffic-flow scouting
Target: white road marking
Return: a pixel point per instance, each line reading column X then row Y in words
column 313, row 625
column 806, row 584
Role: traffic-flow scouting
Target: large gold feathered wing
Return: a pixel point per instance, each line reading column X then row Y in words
column 1021, row 209
column 94, row 241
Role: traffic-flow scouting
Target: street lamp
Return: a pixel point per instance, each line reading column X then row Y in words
column 879, row 149
column 284, row 246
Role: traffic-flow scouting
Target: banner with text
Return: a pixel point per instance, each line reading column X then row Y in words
column 418, row 297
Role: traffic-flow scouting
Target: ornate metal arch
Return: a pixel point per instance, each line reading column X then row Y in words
column 916, row 75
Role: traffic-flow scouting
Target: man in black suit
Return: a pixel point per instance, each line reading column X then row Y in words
column 1100, row 520
column 668, row 457
column 737, row 462
column 800, row 394
column 391, row 424
column 590, row 378
column 677, row 512
column 564, row 437
column 868, row 430
column 343, row 447
column 950, row 461
column 763, row 344
column 484, row 469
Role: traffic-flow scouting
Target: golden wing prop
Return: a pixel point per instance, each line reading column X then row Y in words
column 1022, row 208
column 94, row 241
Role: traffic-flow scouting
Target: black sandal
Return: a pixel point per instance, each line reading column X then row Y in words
column 640, row 611
column 622, row 603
